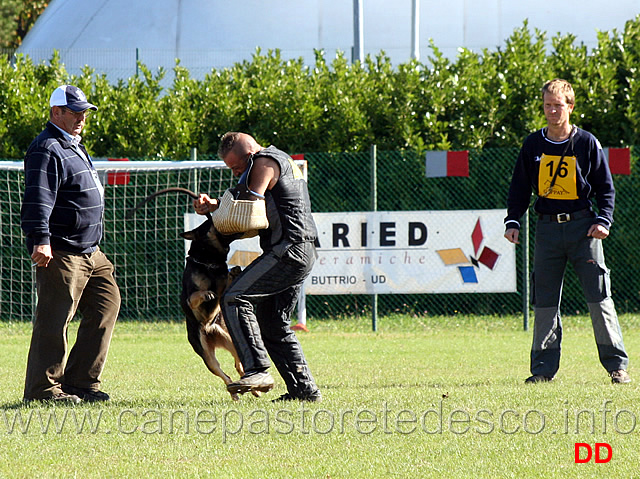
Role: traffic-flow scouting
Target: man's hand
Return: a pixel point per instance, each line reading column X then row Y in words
column 41, row 255
column 203, row 204
column 598, row 231
column 512, row 235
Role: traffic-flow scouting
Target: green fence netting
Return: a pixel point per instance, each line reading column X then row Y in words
column 338, row 182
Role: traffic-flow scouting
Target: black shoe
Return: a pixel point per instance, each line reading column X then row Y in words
column 61, row 397
column 88, row 395
column 313, row 397
column 261, row 382
column 620, row 376
column 538, row 378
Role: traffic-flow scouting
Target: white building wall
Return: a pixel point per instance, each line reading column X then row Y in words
column 207, row 34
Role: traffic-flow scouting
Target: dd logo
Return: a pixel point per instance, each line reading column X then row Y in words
column 589, row 452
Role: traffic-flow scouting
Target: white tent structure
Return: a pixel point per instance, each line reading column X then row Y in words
column 110, row 35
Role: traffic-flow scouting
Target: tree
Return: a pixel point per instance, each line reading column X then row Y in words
column 16, row 19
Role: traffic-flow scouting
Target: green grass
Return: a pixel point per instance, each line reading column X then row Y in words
column 420, row 398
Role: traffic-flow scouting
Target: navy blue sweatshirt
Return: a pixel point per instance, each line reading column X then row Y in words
column 583, row 177
column 63, row 199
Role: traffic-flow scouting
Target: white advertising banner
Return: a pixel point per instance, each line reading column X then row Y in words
column 413, row 252
column 387, row 252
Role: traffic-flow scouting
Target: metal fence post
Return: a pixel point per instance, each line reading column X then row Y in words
column 374, row 207
column 415, row 29
column 358, row 31
column 196, row 176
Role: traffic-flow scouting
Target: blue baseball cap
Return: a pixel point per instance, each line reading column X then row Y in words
column 72, row 97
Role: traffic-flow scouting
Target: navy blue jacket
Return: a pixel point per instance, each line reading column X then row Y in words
column 63, row 199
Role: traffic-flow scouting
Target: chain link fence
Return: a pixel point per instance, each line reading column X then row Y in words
column 341, row 183
column 338, row 182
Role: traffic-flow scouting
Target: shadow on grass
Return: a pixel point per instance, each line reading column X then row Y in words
column 14, row 405
column 126, row 404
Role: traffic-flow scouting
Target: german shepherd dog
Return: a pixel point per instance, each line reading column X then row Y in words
column 204, row 280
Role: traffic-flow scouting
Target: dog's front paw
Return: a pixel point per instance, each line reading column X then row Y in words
column 196, row 299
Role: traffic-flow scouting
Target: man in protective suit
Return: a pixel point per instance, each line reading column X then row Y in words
column 257, row 306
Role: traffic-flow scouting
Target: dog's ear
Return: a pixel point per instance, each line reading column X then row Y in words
column 188, row 235
column 233, row 274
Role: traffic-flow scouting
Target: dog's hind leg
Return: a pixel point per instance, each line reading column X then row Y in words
column 209, row 356
column 227, row 343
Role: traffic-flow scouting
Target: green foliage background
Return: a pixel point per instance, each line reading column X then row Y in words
column 333, row 111
column 16, row 19
column 478, row 100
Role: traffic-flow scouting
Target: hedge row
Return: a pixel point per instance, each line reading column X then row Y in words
column 487, row 99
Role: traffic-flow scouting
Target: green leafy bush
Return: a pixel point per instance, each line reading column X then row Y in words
column 479, row 100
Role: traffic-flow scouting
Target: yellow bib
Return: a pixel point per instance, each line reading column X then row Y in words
column 564, row 187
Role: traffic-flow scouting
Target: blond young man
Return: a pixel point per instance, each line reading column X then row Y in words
column 565, row 167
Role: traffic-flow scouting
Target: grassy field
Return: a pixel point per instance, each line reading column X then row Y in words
column 420, row 398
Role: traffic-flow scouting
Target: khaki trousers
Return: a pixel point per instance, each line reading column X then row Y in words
column 71, row 282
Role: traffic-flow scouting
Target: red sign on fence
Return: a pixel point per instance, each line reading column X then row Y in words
column 118, row 177
column 447, row 163
column 619, row 160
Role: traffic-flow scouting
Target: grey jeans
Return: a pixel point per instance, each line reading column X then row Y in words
column 555, row 245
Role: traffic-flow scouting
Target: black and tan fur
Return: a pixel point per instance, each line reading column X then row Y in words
column 205, row 278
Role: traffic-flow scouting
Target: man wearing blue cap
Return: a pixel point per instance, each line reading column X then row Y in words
column 61, row 216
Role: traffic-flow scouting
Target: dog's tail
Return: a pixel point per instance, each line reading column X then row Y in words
column 175, row 189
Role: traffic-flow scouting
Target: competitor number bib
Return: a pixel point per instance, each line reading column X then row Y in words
column 557, row 179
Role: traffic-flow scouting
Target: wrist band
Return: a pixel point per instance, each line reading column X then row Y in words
column 256, row 194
